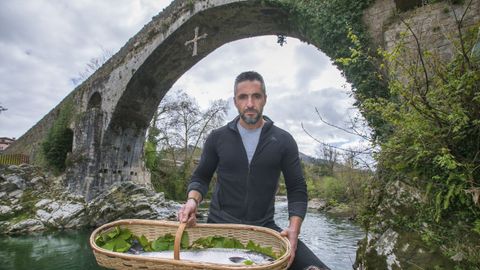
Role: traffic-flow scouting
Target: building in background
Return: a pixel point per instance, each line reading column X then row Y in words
column 5, row 142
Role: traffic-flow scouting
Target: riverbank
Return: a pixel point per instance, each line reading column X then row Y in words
column 337, row 210
column 34, row 201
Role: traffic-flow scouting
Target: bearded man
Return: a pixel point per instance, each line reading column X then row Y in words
column 248, row 155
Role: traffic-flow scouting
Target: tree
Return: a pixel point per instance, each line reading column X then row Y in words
column 329, row 155
column 177, row 129
column 182, row 125
column 93, row 64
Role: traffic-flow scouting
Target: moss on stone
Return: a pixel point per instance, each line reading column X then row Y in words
column 28, row 201
column 20, row 217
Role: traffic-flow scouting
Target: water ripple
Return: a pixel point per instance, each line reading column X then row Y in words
column 333, row 240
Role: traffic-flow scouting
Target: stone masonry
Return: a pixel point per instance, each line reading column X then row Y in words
column 113, row 108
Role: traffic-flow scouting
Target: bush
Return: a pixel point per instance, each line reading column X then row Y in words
column 333, row 189
column 58, row 142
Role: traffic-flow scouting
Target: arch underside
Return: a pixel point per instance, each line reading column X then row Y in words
column 169, row 61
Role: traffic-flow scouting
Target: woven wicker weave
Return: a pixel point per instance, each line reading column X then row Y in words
column 152, row 229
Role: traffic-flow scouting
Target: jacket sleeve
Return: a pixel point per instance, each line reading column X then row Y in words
column 202, row 175
column 294, row 180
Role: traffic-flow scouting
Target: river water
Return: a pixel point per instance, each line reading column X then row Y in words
column 333, row 240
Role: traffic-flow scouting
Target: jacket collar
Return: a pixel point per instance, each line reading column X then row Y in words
column 266, row 126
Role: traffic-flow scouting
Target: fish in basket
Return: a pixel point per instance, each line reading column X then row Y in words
column 155, row 244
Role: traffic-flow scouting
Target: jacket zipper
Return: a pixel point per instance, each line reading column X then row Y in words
column 245, row 202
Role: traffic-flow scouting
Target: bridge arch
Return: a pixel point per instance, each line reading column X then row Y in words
column 108, row 139
column 178, row 38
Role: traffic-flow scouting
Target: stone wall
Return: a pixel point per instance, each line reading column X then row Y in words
column 376, row 18
column 434, row 24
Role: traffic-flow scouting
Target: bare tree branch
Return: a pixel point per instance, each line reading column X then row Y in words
column 420, row 54
column 340, row 128
column 459, row 24
column 336, row 147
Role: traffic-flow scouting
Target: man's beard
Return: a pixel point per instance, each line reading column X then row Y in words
column 251, row 120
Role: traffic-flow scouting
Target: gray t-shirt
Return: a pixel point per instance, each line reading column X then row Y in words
column 250, row 139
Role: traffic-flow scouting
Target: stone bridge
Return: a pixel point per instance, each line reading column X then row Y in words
column 112, row 109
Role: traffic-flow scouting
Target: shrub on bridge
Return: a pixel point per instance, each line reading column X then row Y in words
column 58, row 142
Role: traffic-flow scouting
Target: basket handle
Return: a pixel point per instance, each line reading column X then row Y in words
column 178, row 240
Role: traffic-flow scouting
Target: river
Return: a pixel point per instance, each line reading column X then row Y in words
column 333, row 240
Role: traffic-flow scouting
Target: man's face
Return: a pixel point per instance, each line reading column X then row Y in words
column 250, row 100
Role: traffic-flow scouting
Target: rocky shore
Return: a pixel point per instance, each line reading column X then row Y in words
column 338, row 210
column 31, row 201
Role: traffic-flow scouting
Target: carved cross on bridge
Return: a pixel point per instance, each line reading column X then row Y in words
column 195, row 40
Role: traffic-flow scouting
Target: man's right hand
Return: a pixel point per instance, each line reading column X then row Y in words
column 188, row 213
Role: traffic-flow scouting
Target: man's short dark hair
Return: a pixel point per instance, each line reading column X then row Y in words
column 249, row 76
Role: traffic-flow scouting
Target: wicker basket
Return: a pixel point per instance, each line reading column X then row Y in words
column 152, row 229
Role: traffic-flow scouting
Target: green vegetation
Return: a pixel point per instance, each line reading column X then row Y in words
column 176, row 131
column 118, row 240
column 59, row 139
column 217, row 242
column 432, row 145
column 122, row 239
column 191, row 5
column 339, row 184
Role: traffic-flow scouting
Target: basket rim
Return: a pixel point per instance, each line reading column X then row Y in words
column 173, row 224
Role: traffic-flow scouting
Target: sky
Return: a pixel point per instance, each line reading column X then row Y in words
column 46, row 44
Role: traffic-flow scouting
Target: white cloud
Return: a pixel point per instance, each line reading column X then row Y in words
column 44, row 44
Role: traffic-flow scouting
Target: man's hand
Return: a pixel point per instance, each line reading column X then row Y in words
column 292, row 233
column 292, row 236
column 188, row 213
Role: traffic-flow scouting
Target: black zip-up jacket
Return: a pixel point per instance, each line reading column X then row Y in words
column 245, row 193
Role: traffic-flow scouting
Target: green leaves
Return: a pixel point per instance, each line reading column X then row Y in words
column 184, row 242
column 59, row 139
column 167, row 242
column 163, row 243
column 248, row 262
column 264, row 250
column 476, row 227
column 217, row 242
column 118, row 239
column 434, row 143
column 146, row 245
column 121, row 240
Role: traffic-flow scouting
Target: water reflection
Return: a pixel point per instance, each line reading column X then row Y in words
column 54, row 250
